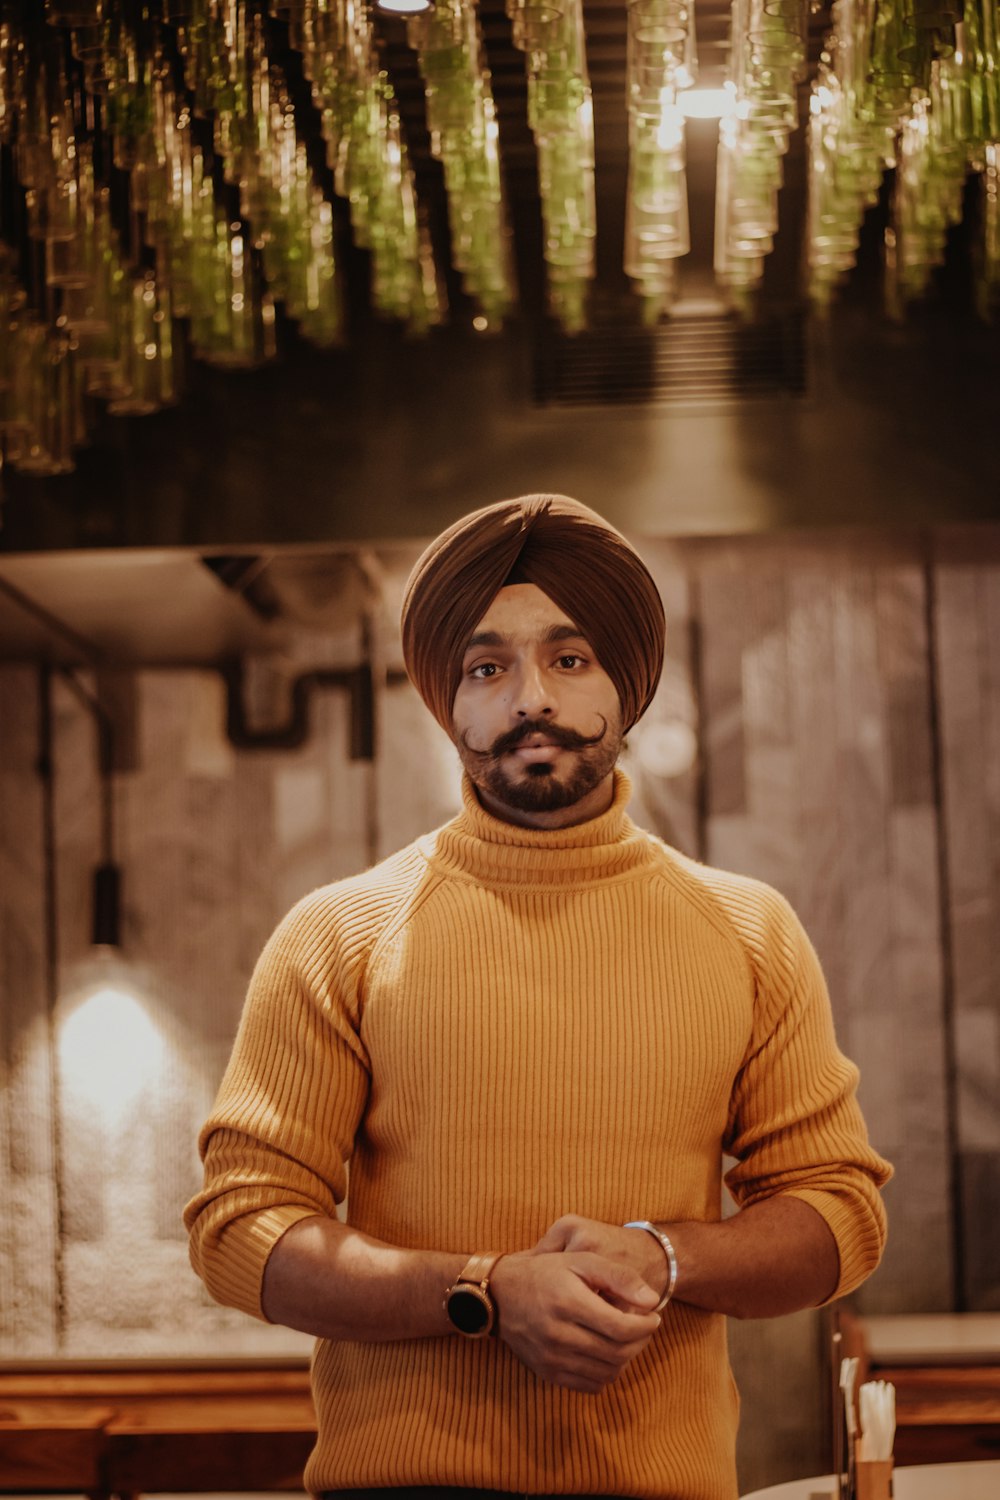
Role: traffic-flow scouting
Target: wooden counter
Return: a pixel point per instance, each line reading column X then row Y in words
column 104, row 1431
column 968, row 1481
column 946, row 1370
column 934, row 1338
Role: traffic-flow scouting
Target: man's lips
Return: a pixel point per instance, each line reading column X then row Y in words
column 538, row 748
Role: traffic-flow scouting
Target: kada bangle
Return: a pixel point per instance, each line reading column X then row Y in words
column 664, row 1243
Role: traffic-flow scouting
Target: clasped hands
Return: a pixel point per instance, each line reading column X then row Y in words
column 578, row 1306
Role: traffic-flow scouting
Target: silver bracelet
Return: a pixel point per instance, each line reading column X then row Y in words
column 668, row 1250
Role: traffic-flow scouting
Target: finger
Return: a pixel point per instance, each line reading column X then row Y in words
column 575, row 1342
column 629, row 1352
column 622, row 1305
column 610, row 1278
column 601, row 1320
column 558, row 1235
column 582, row 1360
column 583, row 1365
column 580, row 1372
column 604, row 1321
column 610, row 1352
column 568, row 1337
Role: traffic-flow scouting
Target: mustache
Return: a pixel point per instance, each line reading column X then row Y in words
column 566, row 739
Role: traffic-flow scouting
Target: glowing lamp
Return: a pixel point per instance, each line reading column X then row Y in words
column 404, row 7
column 707, row 104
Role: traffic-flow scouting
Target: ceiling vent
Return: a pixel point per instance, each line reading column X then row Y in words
column 696, row 358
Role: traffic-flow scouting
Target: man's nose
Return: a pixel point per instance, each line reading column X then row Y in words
column 533, row 696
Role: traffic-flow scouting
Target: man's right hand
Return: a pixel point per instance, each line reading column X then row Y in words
column 553, row 1314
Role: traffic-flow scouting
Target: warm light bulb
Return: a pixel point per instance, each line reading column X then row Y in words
column 109, row 1051
column 403, row 7
column 707, row 104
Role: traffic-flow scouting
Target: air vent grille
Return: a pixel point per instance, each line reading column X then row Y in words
column 701, row 359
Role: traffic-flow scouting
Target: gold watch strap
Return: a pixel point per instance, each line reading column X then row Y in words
column 479, row 1269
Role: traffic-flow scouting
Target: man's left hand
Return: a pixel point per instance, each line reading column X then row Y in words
column 630, row 1247
column 774, row 1256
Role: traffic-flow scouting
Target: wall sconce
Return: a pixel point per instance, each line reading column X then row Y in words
column 107, row 907
column 106, row 930
column 110, row 1050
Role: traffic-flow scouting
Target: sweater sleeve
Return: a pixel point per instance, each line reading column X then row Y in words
column 276, row 1145
column 794, row 1125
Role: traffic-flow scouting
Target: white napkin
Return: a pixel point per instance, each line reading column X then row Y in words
column 878, row 1420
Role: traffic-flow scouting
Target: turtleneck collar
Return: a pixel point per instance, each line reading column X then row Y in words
column 478, row 846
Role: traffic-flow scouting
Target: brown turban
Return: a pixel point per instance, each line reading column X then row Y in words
column 584, row 565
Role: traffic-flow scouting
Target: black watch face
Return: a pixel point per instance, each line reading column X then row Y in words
column 468, row 1311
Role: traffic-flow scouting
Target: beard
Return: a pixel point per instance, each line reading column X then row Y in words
column 535, row 787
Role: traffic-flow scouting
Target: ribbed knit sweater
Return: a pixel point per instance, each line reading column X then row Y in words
column 497, row 1026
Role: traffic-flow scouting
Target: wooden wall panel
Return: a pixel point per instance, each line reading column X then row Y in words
column 818, row 895
column 29, row 1290
column 826, row 665
column 967, row 620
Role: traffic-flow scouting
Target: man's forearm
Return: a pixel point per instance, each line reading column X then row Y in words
column 575, row 1320
column 775, row 1257
column 332, row 1281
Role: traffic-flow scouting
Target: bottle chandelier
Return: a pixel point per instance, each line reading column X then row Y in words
column 161, row 171
column 913, row 85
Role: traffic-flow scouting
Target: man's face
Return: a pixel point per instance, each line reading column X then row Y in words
column 537, row 719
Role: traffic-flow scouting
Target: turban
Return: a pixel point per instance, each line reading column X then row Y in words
column 585, row 567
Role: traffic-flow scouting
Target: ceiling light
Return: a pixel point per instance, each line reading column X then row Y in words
column 403, row 7
column 706, row 104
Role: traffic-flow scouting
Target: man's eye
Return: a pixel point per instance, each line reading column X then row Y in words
column 570, row 661
column 484, row 669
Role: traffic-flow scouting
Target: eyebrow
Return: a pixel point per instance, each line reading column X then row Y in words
column 552, row 636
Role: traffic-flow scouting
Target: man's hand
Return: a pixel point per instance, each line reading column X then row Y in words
column 625, row 1247
column 772, row 1257
column 575, row 1319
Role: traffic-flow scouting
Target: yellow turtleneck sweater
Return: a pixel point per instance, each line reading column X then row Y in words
column 497, row 1026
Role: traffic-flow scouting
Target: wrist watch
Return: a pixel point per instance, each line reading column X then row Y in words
column 467, row 1301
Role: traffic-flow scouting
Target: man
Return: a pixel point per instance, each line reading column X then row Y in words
column 534, row 1034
